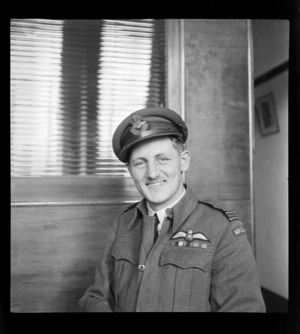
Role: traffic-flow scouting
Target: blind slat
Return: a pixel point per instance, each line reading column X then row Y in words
column 72, row 82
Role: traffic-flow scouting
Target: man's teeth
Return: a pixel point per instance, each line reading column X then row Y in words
column 156, row 184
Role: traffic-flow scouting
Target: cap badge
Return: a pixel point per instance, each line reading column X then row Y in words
column 138, row 125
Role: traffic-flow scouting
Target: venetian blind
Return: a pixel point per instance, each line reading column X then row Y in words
column 72, row 82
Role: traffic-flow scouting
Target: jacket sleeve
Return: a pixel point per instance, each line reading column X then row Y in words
column 235, row 284
column 99, row 297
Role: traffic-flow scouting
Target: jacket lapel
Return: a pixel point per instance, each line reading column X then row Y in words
column 183, row 209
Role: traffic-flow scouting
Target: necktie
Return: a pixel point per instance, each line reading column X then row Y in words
column 156, row 222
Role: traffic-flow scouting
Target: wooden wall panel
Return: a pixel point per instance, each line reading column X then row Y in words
column 53, row 254
column 58, row 232
column 217, row 112
column 73, row 189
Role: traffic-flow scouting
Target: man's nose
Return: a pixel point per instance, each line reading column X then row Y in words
column 153, row 170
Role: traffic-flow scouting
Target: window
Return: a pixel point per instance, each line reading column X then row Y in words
column 72, row 82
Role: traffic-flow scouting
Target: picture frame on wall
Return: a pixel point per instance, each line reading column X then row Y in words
column 266, row 114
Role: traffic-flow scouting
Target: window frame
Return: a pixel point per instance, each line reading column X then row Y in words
column 104, row 190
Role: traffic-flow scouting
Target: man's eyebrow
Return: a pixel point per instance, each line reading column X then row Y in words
column 161, row 154
column 138, row 158
column 158, row 155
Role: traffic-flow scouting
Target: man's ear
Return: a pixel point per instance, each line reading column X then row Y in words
column 128, row 167
column 185, row 160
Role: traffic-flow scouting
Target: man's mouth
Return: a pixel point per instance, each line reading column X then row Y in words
column 155, row 184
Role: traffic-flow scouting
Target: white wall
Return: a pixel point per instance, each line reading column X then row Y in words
column 270, row 43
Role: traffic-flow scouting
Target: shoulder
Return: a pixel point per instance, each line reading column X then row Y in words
column 216, row 206
column 229, row 220
column 125, row 217
column 129, row 208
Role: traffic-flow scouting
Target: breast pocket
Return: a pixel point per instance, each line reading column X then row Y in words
column 187, row 270
column 126, row 249
column 125, row 253
column 187, row 257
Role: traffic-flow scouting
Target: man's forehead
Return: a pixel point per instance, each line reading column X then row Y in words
column 153, row 147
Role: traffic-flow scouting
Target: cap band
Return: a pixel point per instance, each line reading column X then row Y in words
column 144, row 124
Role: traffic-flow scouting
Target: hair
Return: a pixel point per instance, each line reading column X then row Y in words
column 177, row 144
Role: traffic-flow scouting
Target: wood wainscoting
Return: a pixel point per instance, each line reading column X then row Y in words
column 58, row 232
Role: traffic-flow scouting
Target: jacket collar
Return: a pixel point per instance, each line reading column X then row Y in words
column 142, row 208
column 184, row 208
column 180, row 211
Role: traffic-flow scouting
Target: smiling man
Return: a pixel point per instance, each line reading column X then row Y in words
column 170, row 252
column 156, row 167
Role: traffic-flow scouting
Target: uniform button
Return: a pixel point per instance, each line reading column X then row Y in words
column 141, row 267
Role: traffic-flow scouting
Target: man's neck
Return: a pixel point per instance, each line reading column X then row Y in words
column 169, row 205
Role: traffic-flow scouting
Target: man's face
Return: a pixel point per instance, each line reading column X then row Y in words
column 155, row 167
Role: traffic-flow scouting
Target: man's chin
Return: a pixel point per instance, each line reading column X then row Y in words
column 156, row 201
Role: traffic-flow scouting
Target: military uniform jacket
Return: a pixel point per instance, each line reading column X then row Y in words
column 201, row 262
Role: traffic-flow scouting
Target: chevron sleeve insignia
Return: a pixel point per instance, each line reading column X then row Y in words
column 231, row 215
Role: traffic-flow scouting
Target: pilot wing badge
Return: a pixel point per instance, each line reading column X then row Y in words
column 191, row 239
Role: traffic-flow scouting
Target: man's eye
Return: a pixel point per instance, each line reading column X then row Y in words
column 139, row 164
column 163, row 160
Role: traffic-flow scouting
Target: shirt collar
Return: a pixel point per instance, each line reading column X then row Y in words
column 180, row 211
column 162, row 212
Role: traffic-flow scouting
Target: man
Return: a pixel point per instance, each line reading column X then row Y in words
column 197, row 259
